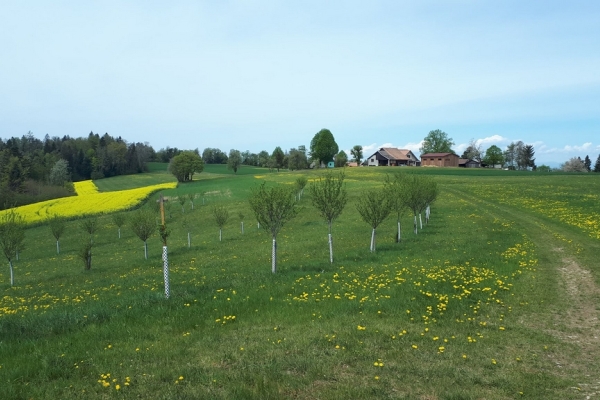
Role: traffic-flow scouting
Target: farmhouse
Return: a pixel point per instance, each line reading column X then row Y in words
column 389, row 156
column 468, row 163
column 439, row 160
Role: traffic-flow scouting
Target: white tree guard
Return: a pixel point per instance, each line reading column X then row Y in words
column 165, row 256
column 189, row 241
column 415, row 224
column 399, row 232
column 57, row 247
column 119, row 233
column 12, row 275
column 145, row 250
column 242, row 227
column 373, row 241
column 421, row 221
column 274, row 257
column 330, row 249
column 220, row 234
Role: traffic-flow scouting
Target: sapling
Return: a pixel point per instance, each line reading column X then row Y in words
column 143, row 224
column 182, row 200
column 221, row 215
column 272, row 208
column 191, row 197
column 85, row 253
column 241, row 215
column 119, row 220
column 90, row 225
column 12, row 234
column 397, row 191
column 57, row 227
column 374, row 207
column 329, row 197
column 301, row 182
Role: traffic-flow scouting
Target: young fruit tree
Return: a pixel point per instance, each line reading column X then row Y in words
column 119, row 220
column 90, row 225
column 396, row 188
column 430, row 195
column 143, row 224
column 12, row 234
column 191, row 197
column 242, row 216
column 272, row 207
column 374, row 207
column 221, row 215
column 57, row 227
column 301, row 182
column 182, row 200
column 421, row 191
column 329, row 197
column 85, row 253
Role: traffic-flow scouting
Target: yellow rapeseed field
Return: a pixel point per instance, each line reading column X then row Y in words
column 88, row 202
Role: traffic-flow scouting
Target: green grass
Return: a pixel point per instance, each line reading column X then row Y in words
column 296, row 333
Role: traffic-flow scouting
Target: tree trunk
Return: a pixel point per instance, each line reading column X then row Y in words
column 399, row 238
column 57, row 247
column 189, row 241
column 330, row 249
column 12, row 275
column 220, row 234
column 119, row 233
column 415, row 224
column 373, row 241
column 242, row 227
column 192, row 205
column 145, row 250
column 165, row 257
column 421, row 221
column 274, row 257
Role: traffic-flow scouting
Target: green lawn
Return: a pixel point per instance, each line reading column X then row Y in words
column 494, row 299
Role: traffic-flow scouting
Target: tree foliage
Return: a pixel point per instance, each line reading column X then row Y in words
column 374, row 207
column 143, row 224
column 329, row 196
column 357, row 153
column 221, row 215
column 297, row 159
column 588, row 163
column 59, row 174
column 277, row 157
column 437, row 141
column 341, row 159
column 234, row 160
column 574, row 165
column 323, row 147
column 597, row 165
column 12, row 235
column 184, row 165
column 272, row 207
column 494, row 156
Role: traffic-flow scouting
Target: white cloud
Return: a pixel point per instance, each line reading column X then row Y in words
column 568, row 149
column 488, row 141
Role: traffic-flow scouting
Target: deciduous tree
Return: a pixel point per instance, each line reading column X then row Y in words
column 437, row 141
column 143, row 224
column 184, row 165
column 494, row 156
column 272, row 207
column 323, row 147
column 329, row 197
column 221, row 215
column 357, row 153
column 374, row 207
column 341, row 159
column 234, row 160
column 12, row 235
column 57, row 227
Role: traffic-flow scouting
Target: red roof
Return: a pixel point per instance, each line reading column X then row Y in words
column 437, row 155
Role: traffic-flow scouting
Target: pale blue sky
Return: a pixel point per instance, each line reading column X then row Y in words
column 252, row 75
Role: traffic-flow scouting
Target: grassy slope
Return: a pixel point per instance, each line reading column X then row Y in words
column 113, row 319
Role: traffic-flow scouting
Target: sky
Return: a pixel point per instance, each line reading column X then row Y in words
column 253, row 75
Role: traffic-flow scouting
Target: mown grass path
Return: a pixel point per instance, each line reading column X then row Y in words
column 568, row 278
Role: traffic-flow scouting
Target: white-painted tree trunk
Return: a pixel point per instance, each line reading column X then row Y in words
column 189, row 241
column 242, row 227
column 274, row 257
column 330, row 249
column 145, row 250
column 399, row 232
column 220, row 234
column 166, row 271
column 421, row 221
column 12, row 275
column 373, row 241
column 415, row 224
column 57, row 247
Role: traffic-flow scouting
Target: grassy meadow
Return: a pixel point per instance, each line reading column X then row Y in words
column 496, row 298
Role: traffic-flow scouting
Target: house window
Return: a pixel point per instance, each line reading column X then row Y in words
column 373, row 159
